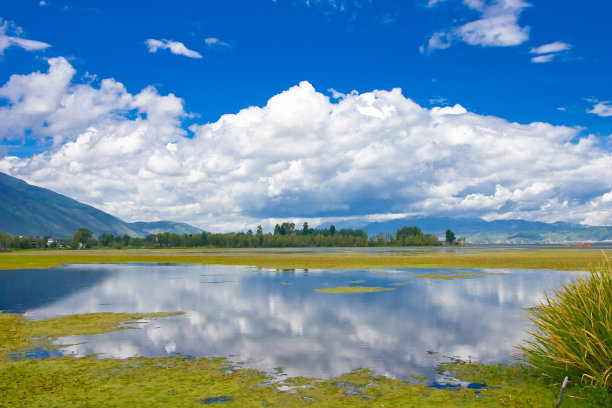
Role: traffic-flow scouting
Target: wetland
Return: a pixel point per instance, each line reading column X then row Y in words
column 305, row 333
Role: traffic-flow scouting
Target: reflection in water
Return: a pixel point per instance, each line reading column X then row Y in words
column 277, row 319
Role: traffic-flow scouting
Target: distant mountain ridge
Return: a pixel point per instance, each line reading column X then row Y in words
column 479, row 231
column 30, row 210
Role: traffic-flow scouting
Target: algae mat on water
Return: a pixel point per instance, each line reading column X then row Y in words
column 353, row 289
column 181, row 381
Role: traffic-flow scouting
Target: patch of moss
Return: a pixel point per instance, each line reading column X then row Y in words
column 445, row 277
column 16, row 331
column 353, row 289
column 358, row 281
column 185, row 382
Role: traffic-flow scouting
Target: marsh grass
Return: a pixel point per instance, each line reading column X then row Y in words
column 545, row 258
column 573, row 330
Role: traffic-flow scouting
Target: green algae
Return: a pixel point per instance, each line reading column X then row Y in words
column 445, row 277
column 183, row 382
column 17, row 332
column 354, row 289
column 358, row 281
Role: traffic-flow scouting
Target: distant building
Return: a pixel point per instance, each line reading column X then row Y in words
column 53, row 242
column 34, row 242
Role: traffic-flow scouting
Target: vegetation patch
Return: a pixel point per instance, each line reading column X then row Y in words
column 573, row 259
column 573, row 330
column 186, row 381
column 353, row 289
column 445, row 277
column 358, row 281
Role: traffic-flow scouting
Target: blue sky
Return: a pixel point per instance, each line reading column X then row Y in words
column 513, row 96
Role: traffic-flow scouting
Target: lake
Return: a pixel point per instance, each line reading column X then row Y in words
column 275, row 318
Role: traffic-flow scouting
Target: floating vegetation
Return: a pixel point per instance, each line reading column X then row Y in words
column 285, row 283
column 445, row 277
column 382, row 271
column 354, row 289
column 358, row 281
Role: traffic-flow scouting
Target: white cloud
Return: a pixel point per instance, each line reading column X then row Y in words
column 548, row 51
column 540, row 59
column 175, row 47
column 497, row 27
column 7, row 41
column 602, row 109
column 551, row 48
column 213, row 42
column 300, row 156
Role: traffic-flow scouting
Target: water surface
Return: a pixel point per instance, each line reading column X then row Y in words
column 275, row 318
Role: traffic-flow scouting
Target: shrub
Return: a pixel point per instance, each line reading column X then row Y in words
column 573, row 330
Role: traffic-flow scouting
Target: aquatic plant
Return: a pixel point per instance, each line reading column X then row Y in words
column 573, row 329
column 354, row 289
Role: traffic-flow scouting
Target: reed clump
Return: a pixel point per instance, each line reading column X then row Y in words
column 573, row 330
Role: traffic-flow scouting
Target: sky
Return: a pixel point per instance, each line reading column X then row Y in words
column 229, row 114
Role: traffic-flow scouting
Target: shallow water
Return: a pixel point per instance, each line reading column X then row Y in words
column 275, row 318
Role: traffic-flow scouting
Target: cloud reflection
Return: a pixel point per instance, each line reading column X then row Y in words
column 251, row 317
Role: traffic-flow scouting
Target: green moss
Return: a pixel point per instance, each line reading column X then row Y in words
column 183, row 382
column 16, row 330
column 353, row 289
column 445, row 277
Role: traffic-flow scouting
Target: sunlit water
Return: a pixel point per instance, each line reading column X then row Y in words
column 269, row 318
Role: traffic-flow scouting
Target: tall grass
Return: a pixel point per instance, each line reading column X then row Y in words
column 573, row 329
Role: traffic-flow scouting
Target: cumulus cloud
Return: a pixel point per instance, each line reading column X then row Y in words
column 7, row 41
column 497, row 27
column 602, row 109
column 302, row 155
column 175, row 47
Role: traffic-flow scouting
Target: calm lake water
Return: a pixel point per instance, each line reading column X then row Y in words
column 275, row 318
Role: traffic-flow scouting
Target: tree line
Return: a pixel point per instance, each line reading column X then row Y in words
column 285, row 235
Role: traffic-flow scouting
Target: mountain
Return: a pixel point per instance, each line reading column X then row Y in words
column 30, row 210
column 479, row 231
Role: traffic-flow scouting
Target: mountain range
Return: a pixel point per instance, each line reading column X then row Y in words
column 30, row 210
column 479, row 231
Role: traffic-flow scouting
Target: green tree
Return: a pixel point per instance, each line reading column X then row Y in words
column 450, row 237
column 332, row 230
column 81, row 236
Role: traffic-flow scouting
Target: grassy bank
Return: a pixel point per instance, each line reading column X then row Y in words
column 532, row 258
column 182, row 382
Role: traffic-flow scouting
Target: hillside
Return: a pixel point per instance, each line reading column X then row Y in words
column 30, row 210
